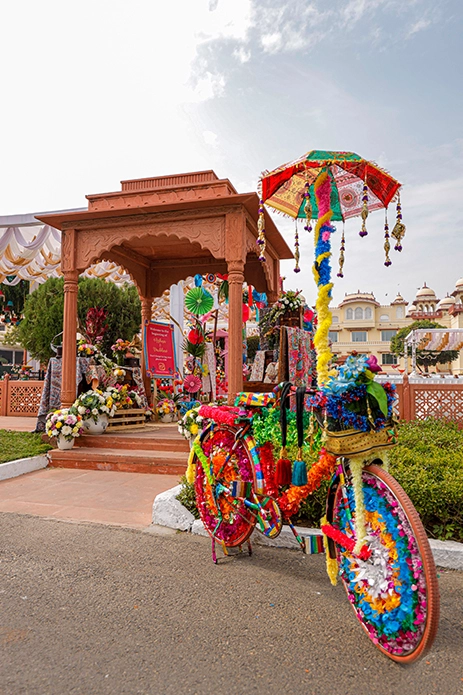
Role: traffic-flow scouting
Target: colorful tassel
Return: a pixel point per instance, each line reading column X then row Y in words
column 297, row 255
column 364, row 213
column 387, row 244
column 308, row 207
column 399, row 228
column 341, row 254
column 283, row 470
column 261, row 240
column 299, row 477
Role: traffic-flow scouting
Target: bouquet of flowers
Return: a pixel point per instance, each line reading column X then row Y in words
column 64, row 423
column 24, row 371
column 191, row 423
column 125, row 396
column 86, row 349
column 94, row 403
column 165, row 406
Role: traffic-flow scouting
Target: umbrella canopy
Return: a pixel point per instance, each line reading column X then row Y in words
column 328, row 186
column 286, row 188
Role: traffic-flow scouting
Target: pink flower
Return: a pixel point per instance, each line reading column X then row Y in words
column 192, row 383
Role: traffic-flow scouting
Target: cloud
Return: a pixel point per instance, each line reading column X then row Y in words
column 420, row 25
column 210, row 138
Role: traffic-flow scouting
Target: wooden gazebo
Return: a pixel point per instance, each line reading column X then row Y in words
column 161, row 230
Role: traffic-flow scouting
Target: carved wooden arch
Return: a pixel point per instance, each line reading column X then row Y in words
column 207, row 232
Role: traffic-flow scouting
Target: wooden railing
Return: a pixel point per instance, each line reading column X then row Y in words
column 20, row 398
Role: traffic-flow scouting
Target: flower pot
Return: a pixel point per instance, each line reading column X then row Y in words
column 98, row 427
column 64, row 443
column 166, row 417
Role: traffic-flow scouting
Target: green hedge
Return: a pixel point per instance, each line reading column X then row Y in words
column 428, row 463
column 19, row 445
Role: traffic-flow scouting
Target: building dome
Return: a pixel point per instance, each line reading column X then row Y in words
column 446, row 303
column 459, row 284
column 411, row 309
column 426, row 293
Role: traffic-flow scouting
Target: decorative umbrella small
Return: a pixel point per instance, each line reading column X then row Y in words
column 199, row 301
column 328, row 186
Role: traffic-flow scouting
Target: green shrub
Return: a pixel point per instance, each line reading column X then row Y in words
column 428, row 463
column 186, row 496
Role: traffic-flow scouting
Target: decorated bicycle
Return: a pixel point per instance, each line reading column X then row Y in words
column 253, row 471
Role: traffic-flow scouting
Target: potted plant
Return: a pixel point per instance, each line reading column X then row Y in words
column 65, row 426
column 95, row 407
column 166, row 409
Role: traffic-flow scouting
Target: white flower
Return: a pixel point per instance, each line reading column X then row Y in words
column 55, row 433
column 81, row 409
column 66, row 430
column 94, row 411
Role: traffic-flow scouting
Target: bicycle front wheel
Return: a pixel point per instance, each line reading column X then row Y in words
column 394, row 593
column 225, row 516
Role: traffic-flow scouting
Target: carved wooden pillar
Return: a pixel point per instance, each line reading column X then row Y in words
column 68, row 376
column 235, row 328
column 146, row 304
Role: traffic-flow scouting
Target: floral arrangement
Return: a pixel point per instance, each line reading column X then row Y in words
column 94, row 403
column 353, row 400
column 64, row 423
column 123, row 396
column 269, row 324
column 191, row 423
column 165, row 406
column 24, row 371
column 85, row 349
column 120, row 346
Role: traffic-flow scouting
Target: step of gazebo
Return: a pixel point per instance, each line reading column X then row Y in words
column 134, row 442
column 128, row 461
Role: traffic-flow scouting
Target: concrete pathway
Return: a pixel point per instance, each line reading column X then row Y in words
column 93, row 610
column 19, row 424
column 106, row 497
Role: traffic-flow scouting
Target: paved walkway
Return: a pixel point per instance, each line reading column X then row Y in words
column 106, row 497
column 19, row 424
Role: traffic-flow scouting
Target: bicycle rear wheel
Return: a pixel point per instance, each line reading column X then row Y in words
column 226, row 518
column 394, row 593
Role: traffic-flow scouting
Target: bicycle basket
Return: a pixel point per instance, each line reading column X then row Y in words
column 354, row 442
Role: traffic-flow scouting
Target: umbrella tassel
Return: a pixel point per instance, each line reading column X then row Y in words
column 261, row 240
column 387, row 244
column 308, row 207
column 364, row 213
column 297, row 255
column 399, row 228
column 341, row 253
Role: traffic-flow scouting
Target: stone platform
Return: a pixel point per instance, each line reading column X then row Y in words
column 157, row 448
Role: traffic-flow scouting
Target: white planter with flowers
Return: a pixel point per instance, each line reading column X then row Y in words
column 95, row 408
column 65, row 425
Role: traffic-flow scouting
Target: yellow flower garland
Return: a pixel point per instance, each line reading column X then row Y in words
column 356, row 466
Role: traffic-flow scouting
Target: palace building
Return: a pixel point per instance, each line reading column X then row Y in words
column 363, row 324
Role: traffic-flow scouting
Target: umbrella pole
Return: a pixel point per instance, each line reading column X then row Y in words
column 322, row 273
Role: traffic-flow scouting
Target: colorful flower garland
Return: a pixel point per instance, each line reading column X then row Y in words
column 221, row 415
column 322, row 273
column 290, row 501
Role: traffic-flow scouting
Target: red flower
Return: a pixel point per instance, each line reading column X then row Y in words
column 192, row 383
column 195, row 336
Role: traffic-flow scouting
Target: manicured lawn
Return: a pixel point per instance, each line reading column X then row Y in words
column 19, row 445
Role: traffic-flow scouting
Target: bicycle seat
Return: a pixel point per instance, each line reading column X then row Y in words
column 257, row 400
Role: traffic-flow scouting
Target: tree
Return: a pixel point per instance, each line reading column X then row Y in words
column 424, row 358
column 16, row 294
column 43, row 313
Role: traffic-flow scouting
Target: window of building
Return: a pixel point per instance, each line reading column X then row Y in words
column 387, row 358
column 333, row 336
column 6, row 357
column 359, row 336
column 384, row 317
column 335, row 319
column 368, row 313
column 358, row 313
column 388, row 335
column 349, row 314
column 399, row 312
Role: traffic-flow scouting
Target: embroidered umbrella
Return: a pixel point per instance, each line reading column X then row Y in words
column 328, row 186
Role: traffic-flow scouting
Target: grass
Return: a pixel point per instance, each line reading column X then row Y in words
column 19, row 445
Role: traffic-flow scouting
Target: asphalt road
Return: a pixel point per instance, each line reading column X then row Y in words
column 91, row 610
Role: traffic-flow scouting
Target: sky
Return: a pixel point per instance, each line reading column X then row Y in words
column 99, row 91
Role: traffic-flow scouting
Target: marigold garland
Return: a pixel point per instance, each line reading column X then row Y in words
column 356, row 467
column 191, row 467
